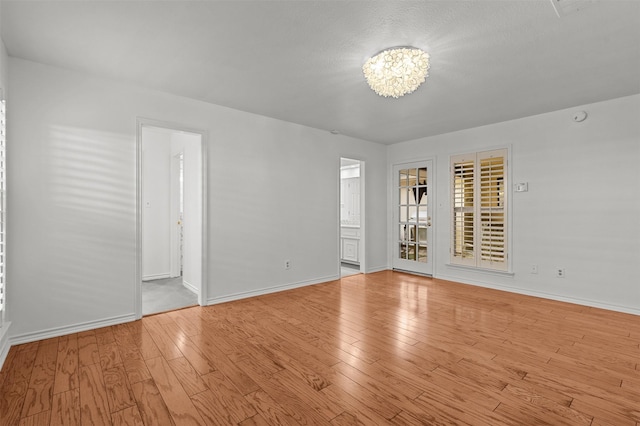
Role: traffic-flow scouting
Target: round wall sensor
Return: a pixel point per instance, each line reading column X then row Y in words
column 579, row 116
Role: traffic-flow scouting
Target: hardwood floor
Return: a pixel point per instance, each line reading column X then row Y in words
column 383, row 348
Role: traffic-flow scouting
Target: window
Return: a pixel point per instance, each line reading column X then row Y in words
column 479, row 210
column 3, row 208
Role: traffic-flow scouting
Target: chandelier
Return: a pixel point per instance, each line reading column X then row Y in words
column 397, row 71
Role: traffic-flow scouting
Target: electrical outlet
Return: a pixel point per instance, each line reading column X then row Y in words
column 287, row 264
column 560, row 272
column 534, row 269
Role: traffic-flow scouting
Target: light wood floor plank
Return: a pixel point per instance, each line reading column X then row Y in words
column 109, row 355
column 191, row 381
column 165, row 345
column 343, row 388
column 65, row 410
column 66, row 377
column 87, row 349
column 94, row 405
column 319, row 401
column 12, row 397
column 119, row 393
column 21, row 367
column 256, row 420
column 127, row 417
column 212, row 410
column 196, row 357
column 180, row 406
column 270, row 410
column 105, row 335
column 144, row 342
column 190, row 322
column 40, row 419
column 221, row 362
column 541, row 407
column 136, row 368
column 153, row 409
column 40, row 392
column 228, row 396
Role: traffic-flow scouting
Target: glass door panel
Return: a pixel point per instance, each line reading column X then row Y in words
column 413, row 218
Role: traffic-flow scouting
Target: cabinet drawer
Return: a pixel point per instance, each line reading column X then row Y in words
column 350, row 232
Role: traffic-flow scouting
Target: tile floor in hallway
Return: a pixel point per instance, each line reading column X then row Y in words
column 166, row 295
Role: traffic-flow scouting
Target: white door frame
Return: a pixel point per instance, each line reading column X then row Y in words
column 396, row 262
column 362, row 245
column 140, row 123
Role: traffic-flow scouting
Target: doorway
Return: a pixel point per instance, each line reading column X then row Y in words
column 412, row 217
column 170, row 217
column 351, row 216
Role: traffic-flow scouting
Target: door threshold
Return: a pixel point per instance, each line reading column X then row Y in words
column 412, row 272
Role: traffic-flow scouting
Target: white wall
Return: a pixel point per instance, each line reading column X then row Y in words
column 156, row 200
column 4, row 66
column 582, row 209
column 4, row 61
column 272, row 192
column 272, row 195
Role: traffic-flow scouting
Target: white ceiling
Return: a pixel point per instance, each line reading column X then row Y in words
column 300, row 61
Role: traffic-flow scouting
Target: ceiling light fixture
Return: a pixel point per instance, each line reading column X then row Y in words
column 396, row 71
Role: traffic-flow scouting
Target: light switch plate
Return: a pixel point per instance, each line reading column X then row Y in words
column 522, row 187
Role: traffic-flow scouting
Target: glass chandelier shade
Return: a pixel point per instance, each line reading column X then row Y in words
column 397, row 71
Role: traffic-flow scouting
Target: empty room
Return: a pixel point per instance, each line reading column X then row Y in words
column 319, row 212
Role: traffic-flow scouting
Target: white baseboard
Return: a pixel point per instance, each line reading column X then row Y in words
column 376, row 269
column 156, row 277
column 69, row 329
column 543, row 295
column 4, row 342
column 191, row 287
column 269, row 290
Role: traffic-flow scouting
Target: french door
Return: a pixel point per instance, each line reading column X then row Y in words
column 412, row 218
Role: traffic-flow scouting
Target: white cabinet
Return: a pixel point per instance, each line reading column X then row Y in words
column 350, row 245
column 350, row 250
column 350, row 201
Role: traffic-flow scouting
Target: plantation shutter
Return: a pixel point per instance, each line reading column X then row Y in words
column 463, row 168
column 3, row 209
column 479, row 215
column 492, row 210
